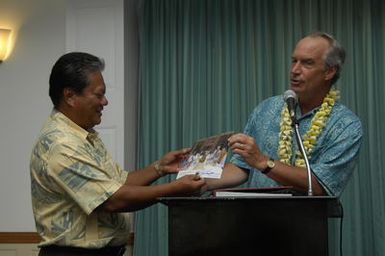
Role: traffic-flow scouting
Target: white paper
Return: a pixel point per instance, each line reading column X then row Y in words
column 207, row 157
column 213, row 172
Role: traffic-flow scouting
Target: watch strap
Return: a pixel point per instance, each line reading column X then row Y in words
column 270, row 165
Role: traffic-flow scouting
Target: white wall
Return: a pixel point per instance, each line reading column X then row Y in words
column 96, row 27
column 39, row 26
column 41, row 37
column 131, row 61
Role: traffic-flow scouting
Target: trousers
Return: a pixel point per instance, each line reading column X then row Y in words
column 54, row 250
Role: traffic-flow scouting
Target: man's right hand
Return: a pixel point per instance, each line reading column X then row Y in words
column 190, row 185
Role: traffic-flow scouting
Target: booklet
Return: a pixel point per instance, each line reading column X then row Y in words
column 207, row 157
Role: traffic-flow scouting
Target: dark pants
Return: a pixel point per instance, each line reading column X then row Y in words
column 53, row 250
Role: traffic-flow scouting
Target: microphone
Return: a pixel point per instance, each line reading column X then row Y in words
column 291, row 100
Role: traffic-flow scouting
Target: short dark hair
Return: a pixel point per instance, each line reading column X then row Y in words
column 71, row 71
column 335, row 56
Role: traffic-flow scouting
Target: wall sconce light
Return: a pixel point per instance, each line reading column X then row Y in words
column 4, row 42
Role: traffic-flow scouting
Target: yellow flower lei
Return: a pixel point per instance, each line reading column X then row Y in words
column 310, row 138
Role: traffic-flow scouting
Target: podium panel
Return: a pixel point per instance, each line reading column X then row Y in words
column 249, row 226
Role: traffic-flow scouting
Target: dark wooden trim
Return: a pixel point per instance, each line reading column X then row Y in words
column 33, row 238
column 19, row 238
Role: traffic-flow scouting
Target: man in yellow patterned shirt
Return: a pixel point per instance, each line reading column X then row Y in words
column 80, row 196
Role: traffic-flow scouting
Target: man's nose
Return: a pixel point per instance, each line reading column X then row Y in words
column 105, row 101
column 295, row 67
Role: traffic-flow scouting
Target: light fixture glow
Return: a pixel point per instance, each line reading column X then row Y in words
column 4, row 42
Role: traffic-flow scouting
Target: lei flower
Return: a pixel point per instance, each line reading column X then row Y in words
column 310, row 138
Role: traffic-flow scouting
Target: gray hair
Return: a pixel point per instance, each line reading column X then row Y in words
column 335, row 56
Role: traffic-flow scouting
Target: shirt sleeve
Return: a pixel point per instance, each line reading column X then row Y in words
column 263, row 126
column 249, row 130
column 87, row 177
column 337, row 158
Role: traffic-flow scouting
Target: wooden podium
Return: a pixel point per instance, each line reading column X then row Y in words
column 296, row 225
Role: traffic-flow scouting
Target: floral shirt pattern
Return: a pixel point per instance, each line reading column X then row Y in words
column 333, row 158
column 71, row 175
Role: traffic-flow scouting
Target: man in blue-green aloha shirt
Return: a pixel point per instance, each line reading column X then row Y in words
column 80, row 196
column 265, row 155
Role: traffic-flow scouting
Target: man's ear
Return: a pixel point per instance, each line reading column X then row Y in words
column 69, row 96
column 330, row 73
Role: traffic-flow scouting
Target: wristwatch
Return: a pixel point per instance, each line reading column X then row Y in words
column 158, row 169
column 270, row 165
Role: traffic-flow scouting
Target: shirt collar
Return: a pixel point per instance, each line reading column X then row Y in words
column 60, row 117
column 308, row 114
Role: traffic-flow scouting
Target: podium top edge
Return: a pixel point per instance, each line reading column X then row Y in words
column 331, row 204
column 257, row 198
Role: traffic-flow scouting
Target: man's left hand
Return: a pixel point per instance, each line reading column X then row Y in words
column 247, row 148
column 169, row 163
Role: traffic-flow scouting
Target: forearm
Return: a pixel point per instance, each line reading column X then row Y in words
column 143, row 176
column 168, row 164
column 295, row 177
column 232, row 176
column 132, row 198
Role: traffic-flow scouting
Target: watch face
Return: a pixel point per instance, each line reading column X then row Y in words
column 270, row 164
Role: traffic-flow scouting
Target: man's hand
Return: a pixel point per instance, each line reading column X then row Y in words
column 246, row 147
column 190, row 185
column 169, row 163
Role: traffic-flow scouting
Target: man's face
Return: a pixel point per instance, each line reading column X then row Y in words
column 308, row 75
column 90, row 103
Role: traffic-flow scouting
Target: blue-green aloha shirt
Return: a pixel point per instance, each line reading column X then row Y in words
column 334, row 156
column 71, row 175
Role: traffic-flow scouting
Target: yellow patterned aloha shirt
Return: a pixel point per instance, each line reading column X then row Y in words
column 71, row 175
